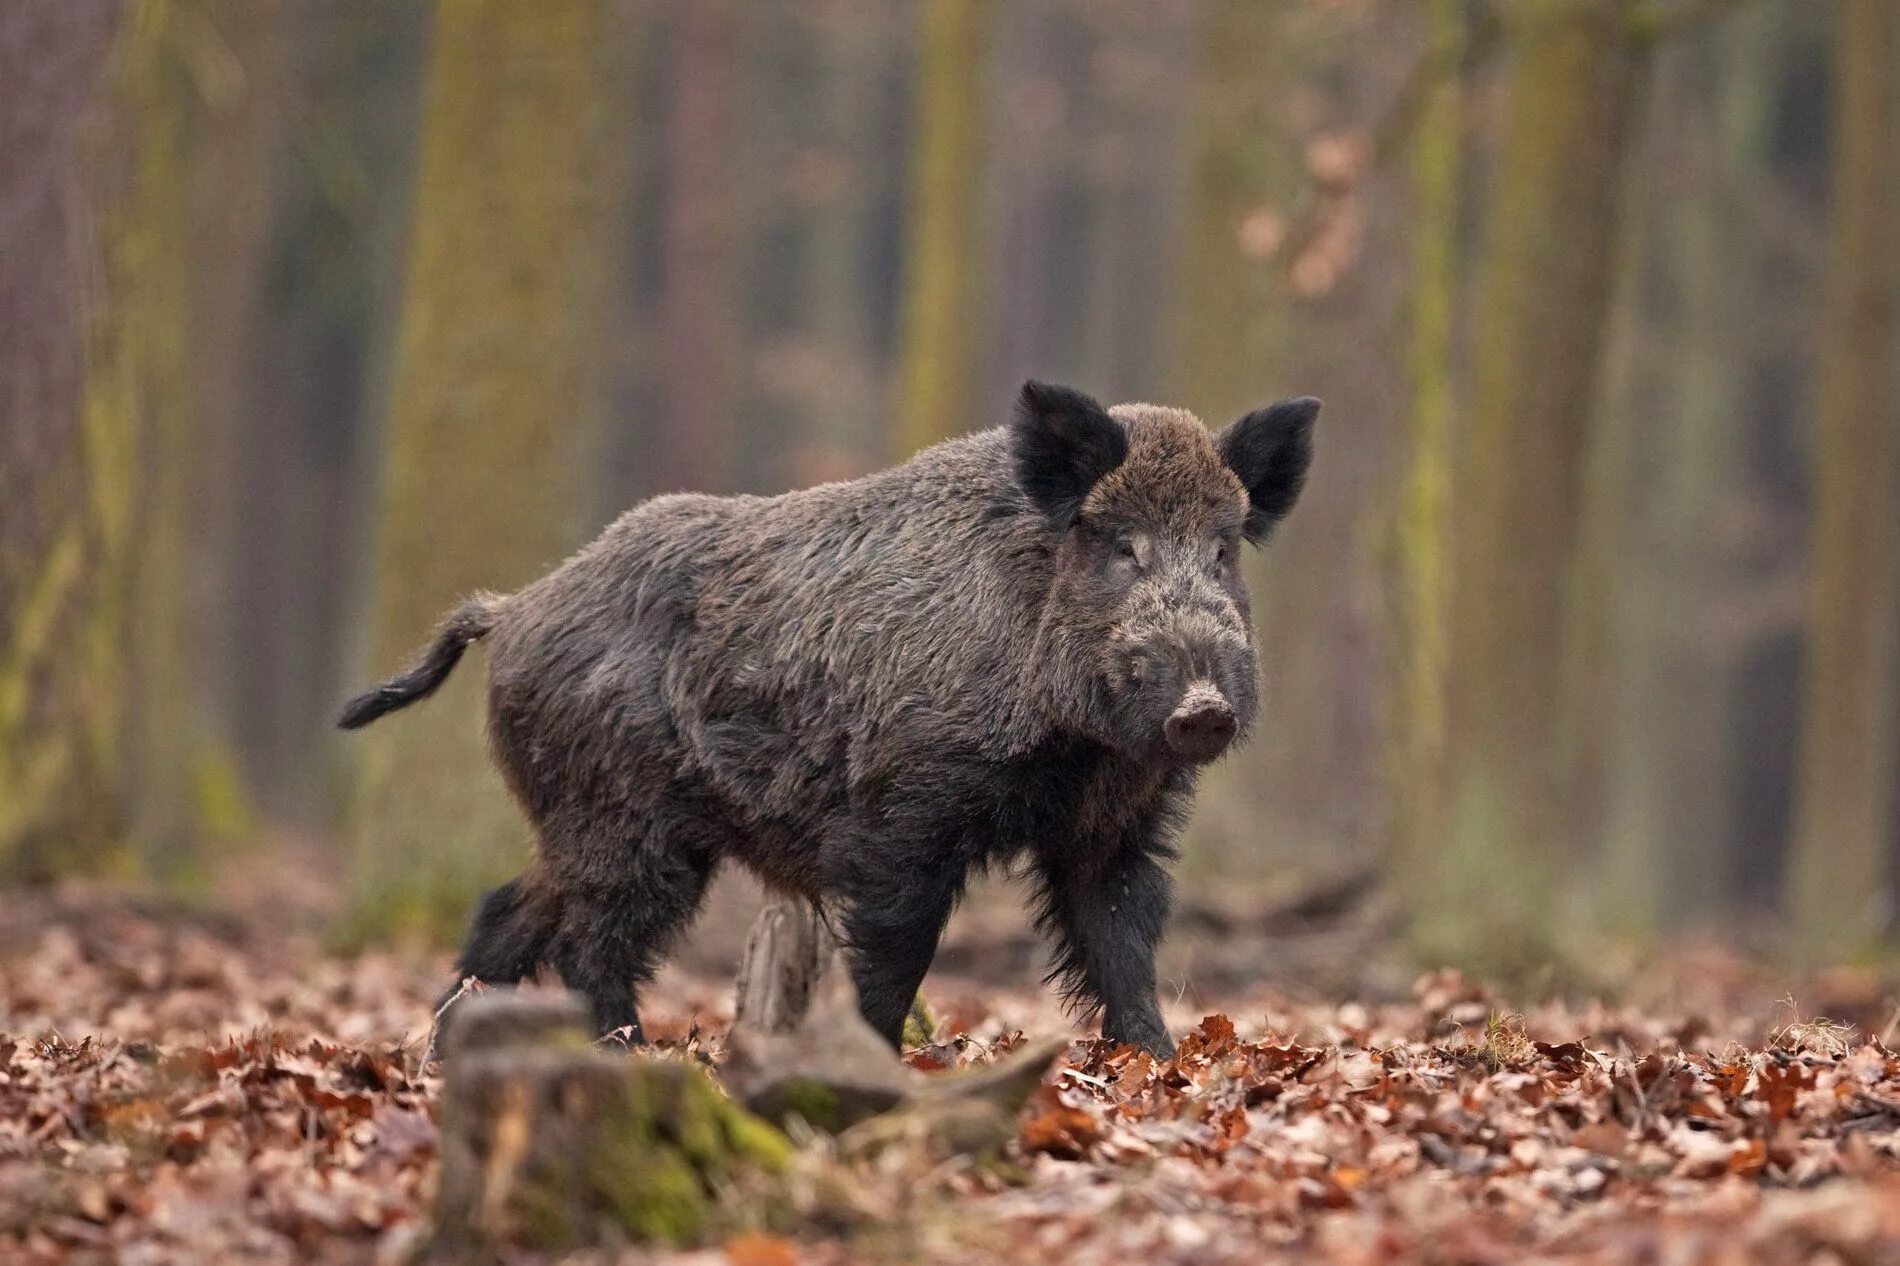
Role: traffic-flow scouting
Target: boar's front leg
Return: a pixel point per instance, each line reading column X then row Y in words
column 1107, row 914
column 893, row 917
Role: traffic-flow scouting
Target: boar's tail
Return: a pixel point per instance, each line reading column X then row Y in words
column 467, row 623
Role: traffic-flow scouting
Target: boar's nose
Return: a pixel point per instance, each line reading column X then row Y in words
column 1202, row 727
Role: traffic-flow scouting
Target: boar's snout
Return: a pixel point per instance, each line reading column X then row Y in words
column 1202, row 726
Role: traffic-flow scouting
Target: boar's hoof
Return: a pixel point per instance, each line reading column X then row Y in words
column 1151, row 1037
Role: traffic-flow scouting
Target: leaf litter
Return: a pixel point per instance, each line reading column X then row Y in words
column 178, row 1092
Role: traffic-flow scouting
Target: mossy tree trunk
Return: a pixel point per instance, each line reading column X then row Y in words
column 941, row 350
column 65, row 467
column 1844, row 826
column 111, row 712
column 1424, row 545
column 497, row 389
column 1543, row 300
column 200, row 83
column 1230, row 320
column 1268, row 283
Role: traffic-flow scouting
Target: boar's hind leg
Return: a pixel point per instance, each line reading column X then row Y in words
column 615, row 930
column 1107, row 916
column 509, row 938
column 892, row 923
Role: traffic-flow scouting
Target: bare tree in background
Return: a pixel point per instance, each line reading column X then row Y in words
column 699, row 324
column 845, row 399
column 135, row 588
column 519, row 210
column 65, row 473
column 1844, row 829
column 1229, row 326
column 1542, row 310
column 1229, row 335
column 200, row 104
column 1424, row 546
column 938, row 365
column 1671, row 458
column 315, row 348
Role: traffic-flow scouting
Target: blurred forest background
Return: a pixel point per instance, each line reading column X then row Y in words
column 315, row 314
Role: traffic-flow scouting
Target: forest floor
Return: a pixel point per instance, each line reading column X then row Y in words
column 177, row 1088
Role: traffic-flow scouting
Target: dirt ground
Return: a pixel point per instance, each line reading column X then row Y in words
column 183, row 1088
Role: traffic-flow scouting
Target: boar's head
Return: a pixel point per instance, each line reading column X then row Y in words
column 1147, row 613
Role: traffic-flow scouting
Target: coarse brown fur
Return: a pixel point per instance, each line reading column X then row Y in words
column 1018, row 645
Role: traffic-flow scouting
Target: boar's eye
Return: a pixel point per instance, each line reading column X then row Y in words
column 1124, row 548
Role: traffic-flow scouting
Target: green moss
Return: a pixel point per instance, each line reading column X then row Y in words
column 682, row 1161
column 920, row 1026
column 757, row 1141
column 813, row 1102
column 696, row 1125
column 653, row 1193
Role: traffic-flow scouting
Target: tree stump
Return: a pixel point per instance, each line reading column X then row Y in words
column 800, row 1048
column 551, row 1144
column 789, row 947
column 823, row 1064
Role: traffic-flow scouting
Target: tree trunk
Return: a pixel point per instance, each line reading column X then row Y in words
column 1543, row 302
column 693, row 436
column 1424, row 540
column 825, row 371
column 204, row 85
column 1669, row 817
column 66, row 433
column 789, row 947
column 1847, row 763
column 1256, row 309
column 321, row 327
column 176, row 183
column 1029, row 165
column 1229, row 337
column 940, row 359
column 1230, row 326
column 498, row 385
column 1133, row 136
column 1782, row 51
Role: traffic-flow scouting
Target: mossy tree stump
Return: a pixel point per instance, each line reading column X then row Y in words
column 549, row 1143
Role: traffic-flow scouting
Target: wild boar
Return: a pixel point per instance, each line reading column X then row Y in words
column 1019, row 645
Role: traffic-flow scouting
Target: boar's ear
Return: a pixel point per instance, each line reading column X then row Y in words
column 1270, row 450
column 1064, row 441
